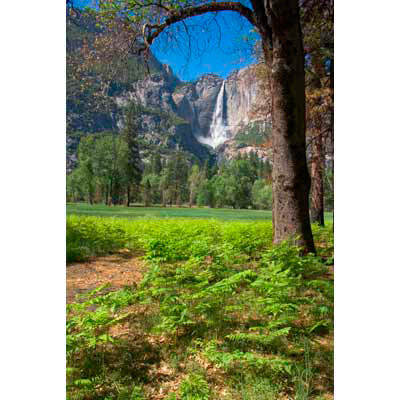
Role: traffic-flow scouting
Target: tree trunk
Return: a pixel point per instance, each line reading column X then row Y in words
column 110, row 194
column 291, row 180
column 331, row 130
column 178, row 200
column 317, row 179
column 191, row 198
column 128, row 196
column 91, row 196
column 317, row 155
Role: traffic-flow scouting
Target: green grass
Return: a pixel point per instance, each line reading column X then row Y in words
column 229, row 214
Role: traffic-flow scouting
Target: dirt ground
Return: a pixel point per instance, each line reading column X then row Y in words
column 119, row 270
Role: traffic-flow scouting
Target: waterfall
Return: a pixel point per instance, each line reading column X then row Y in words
column 218, row 127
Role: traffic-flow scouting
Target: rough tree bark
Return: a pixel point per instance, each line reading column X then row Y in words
column 332, row 120
column 317, row 155
column 317, row 179
column 290, row 177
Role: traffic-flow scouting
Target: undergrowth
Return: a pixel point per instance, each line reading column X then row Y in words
column 88, row 237
column 220, row 313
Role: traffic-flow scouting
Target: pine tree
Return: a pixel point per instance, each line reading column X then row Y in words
column 194, row 182
column 156, row 164
column 134, row 168
column 181, row 178
column 206, row 169
column 85, row 159
column 167, row 182
column 147, row 193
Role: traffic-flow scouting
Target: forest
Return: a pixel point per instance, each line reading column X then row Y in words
column 199, row 228
column 241, row 183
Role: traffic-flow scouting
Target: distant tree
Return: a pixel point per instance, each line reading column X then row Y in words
column 206, row 169
column 231, row 189
column 155, row 180
column 254, row 165
column 180, row 178
column 194, row 180
column 109, row 160
column 156, row 163
column 214, row 170
column 219, row 187
column 167, row 183
column 147, row 167
column 261, row 195
column 265, row 171
column 147, row 193
column 86, row 169
column 134, row 169
column 75, row 186
column 244, row 177
column 205, row 196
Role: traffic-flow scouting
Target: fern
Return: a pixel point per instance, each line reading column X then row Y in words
column 194, row 387
column 255, row 339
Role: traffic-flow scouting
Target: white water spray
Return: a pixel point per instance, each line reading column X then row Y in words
column 218, row 127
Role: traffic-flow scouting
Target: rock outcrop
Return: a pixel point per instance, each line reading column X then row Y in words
column 205, row 117
column 218, row 110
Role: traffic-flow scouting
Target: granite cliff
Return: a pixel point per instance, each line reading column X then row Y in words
column 209, row 117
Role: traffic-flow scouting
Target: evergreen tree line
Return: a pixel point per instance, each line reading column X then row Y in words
column 103, row 176
column 240, row 183
column 109, row 166
column 110, row 171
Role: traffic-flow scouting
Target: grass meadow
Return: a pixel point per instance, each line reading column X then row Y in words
column 101, row 210
column 219, row 313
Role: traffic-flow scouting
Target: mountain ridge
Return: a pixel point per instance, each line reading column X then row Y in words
column 176, row 114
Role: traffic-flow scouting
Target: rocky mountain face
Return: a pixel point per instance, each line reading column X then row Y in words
column 219, row 110
column 213, row 110
column 210, row 117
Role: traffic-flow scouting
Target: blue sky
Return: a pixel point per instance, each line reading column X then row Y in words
column 219, row 44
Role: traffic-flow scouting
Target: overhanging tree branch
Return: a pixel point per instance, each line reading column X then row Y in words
column 152, row 31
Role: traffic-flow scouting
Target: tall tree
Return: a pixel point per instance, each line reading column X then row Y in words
column 85, row 162
column 278, row 23
column 134, row 167
column 147, row 193
column 194, row 182
column 317, row 22
column 316, row 132
column 75, row 186
column 156, row 163
column 180, row 178
column 108, row 157
column 167, row 183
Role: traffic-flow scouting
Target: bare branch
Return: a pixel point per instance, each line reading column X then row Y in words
column 151, row 32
